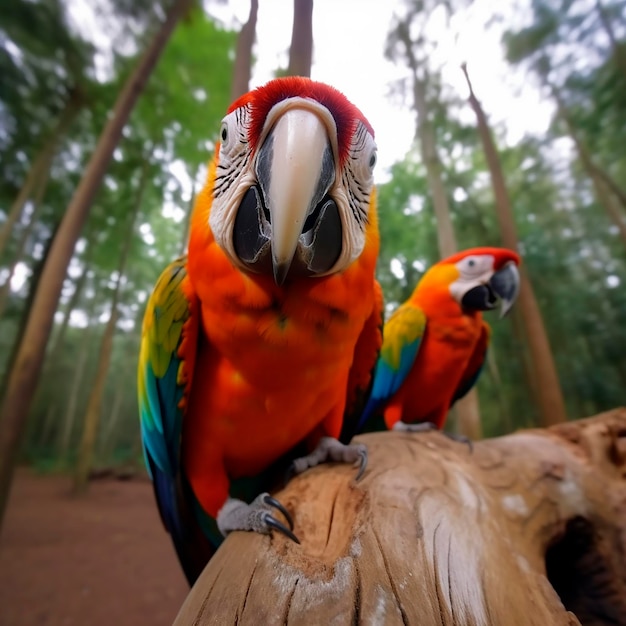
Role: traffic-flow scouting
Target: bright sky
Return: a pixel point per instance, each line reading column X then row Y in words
column 349, row 40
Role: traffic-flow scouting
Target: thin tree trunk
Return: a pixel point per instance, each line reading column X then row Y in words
column 301, row 48
column 243, row 55
column 39, row 171
column 494, row 371
column 116, row 408
column 527, row 362
column 47, row 428
column 597, row 174
column 58, row 339
column 5, row 289
column 602, row 183
column 611, row 184
column 467, row 408
column 27, row 366
column 94, row 404
column 619, row 52
column 549, row 394
column 69, row 420
column 607, row 200
column 445, row 229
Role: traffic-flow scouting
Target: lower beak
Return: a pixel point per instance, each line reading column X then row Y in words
column 506, row 284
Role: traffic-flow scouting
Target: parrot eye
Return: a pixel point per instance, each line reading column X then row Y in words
column 373, row 159
column 224, row 132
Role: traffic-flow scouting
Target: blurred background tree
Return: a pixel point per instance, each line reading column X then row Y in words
column 565, row 189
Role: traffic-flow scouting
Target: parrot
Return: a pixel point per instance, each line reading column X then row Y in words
column 259, row 345
column 435, row 343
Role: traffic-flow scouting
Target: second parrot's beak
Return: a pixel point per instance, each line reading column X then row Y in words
column 506, row 284
column 290, row 214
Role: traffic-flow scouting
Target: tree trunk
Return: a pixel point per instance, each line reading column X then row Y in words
column 549, row 394
column 605, row 188
column 301, row 48
column 69, row 419
column 503, row 404
column 52, row 358
column 27, row 366
column 5, row 289
column 58, row 338
column 597, row 175
column 619, row 52
column 37, row 178
column 94, row 404
column 467, row 408
column 528, row 530
column 243, row 54
column 106, row 439
column 47, row 426
column 606, row 199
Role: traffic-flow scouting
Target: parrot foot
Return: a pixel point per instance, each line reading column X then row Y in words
column 256, row 516
column 331, row 450
column 421, row 427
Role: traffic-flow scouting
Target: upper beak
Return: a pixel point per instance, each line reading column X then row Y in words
column 295, row 169
column 506, row 284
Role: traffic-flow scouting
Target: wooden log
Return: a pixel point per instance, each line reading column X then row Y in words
column 529, row 529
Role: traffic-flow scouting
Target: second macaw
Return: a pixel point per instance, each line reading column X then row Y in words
column 434, row 344
column 259, row 343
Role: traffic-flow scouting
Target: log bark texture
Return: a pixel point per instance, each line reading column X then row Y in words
column 528, row 529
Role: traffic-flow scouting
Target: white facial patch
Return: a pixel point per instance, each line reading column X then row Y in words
column 474, row 270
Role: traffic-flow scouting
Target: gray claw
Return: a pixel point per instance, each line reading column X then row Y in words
column 330, row 450
column 421, row 427
column 256, row 516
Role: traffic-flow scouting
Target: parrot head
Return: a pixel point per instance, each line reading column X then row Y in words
column 478, row 278
column 293, row 180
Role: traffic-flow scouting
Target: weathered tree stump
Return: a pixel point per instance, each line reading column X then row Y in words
column 529, row 529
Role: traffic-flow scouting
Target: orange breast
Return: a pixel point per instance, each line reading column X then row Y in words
column 274, row 363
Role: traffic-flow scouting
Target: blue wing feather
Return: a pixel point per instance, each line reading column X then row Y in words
column 169, row 322
column 402, row 336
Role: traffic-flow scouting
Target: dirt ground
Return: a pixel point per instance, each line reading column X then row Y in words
column 101, row 559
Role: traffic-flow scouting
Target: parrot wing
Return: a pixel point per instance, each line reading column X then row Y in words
column 475, row 364
column 164, row 374
column 361, row 377
column 402, row 337
column 166, row 362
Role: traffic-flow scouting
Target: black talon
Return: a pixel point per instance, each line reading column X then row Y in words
column 362, row 465
column 277, row 505
column 272, row 522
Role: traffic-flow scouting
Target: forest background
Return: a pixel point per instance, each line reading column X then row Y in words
column 454, row 172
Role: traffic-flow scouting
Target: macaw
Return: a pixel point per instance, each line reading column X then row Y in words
column 434, row 344
column 257, row 346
